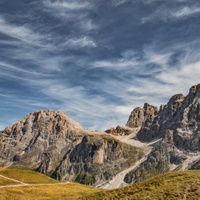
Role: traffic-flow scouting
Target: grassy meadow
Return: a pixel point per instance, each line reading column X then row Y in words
column 39, row 187
column 171, row 186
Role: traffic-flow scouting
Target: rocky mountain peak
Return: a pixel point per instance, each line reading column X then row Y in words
column 43, row 120
column 177, row 98
column 50, row 117
column 52, row 143
column 139, row 115
column 193, row 89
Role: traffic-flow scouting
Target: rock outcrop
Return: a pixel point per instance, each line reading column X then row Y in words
column 177, row 129
column 140, row 115
column 52, row 143
column 119, row 131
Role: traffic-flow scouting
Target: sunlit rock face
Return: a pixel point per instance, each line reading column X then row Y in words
column 139, row 115
column 52, row 143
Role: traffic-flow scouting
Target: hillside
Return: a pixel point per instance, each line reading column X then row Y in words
column 52, row 143
column 176, row 128
column 172, row 186
column 24, row 184
column 153, row 141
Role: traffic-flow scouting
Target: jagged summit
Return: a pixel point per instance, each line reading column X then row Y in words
column 139, row 115
column 45, row 119
column 177, row 128
column 181, row 113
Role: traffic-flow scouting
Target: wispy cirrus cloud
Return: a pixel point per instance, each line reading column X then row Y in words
column 72, row 11
column 116, row 63
column 186, row 11
column 120, row 2
column 131, row 59
column 21, row 33
column 80, row 42
column 67, row 5
column 13, row 68
column 166, row 13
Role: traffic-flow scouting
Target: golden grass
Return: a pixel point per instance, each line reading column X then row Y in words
column 26, row 176
column 49, row 189
column 70, row 191
column 4, row 181
column 170, row 186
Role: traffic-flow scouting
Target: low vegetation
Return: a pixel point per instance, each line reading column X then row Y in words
column 39, row 187
column 26, row 176
column 4, row 181
column 69, row 191
column 171, row 186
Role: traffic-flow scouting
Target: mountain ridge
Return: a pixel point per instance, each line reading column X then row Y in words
column 177, row 124
column 52, row 143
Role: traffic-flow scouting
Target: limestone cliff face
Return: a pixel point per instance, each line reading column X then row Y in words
column 52, row 143
column 181, row 116
column 177, row 125
column 38, row 136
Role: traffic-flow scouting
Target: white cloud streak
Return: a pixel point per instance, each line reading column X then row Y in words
column 72, row 11
column 185, row 11
column 12, row 68
column 165, row 14
column 130, row 60
column 21, row 33
column 67, row 5
column 80, row 42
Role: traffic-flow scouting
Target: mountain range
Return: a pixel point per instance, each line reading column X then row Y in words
column 153, row 141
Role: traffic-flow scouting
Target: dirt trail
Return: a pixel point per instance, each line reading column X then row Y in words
column 32, row 185
column 22, row 184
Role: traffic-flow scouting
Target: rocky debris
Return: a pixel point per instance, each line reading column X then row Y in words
column 163, row 155
column 119, row 131
column 195, row 165
column 54, row 144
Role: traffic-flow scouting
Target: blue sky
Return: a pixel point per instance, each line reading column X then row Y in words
column 95, row 59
